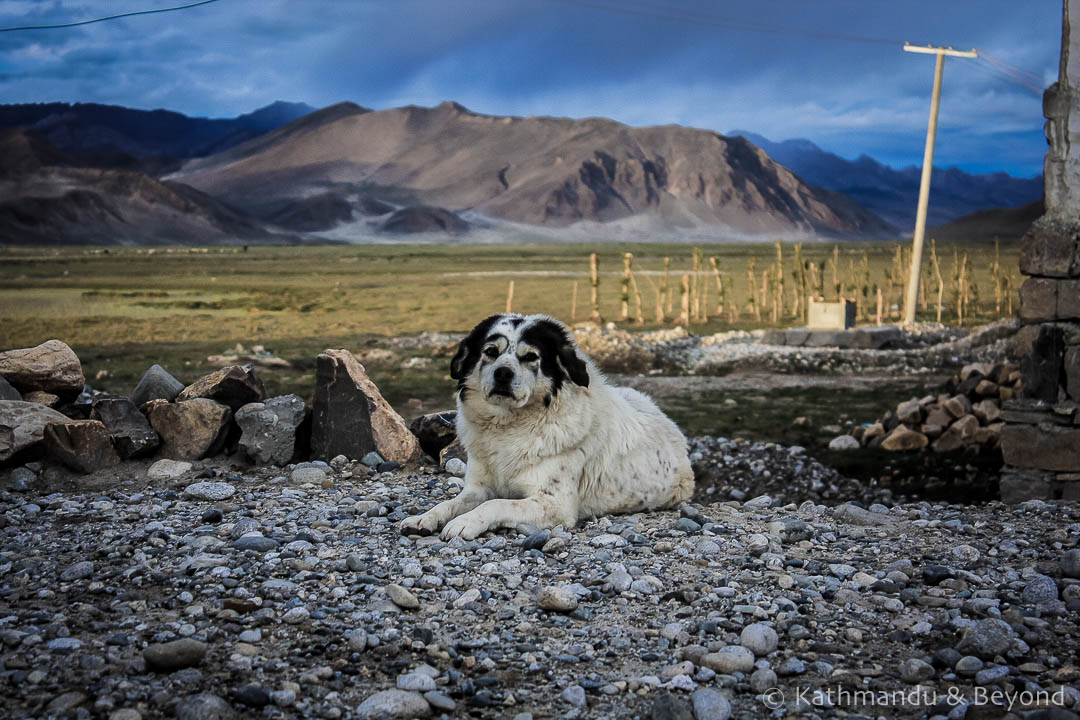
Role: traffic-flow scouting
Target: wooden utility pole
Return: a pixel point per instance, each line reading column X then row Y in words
column 912, row 296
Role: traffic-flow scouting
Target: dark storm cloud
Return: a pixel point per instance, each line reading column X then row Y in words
column 693, row 62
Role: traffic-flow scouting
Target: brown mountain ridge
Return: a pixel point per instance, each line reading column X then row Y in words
column 541, row 171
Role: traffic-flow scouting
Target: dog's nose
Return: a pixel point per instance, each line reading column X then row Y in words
column 503, row 375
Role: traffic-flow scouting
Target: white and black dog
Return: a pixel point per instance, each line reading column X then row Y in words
column 549, row 440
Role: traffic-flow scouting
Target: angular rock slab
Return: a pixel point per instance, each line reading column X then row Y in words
column 350, row 416
column 7, row 392
column 41, row 397
column 22, row 426
column 191, row 429
column 156, row 384
column 52, row 367
column 129, row 429
column 904, row 438
column 82, row 445
column 270, row 427
column 435, row 431
column 234, row 385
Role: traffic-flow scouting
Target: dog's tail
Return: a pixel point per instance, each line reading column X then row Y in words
column 684, row 484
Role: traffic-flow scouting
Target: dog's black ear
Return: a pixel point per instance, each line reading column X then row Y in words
column 468, row 352
column 575, row 366
column 558, row 353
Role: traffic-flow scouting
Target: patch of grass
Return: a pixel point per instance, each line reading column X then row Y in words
column 269, row 294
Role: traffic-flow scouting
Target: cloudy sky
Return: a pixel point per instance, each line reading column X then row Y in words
column 831, row 71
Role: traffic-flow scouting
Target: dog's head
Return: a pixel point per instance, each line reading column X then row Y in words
column 513, row 361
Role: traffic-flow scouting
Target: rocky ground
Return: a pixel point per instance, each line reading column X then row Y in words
column 233, row 591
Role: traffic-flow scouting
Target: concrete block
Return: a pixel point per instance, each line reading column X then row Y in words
column 831, row 315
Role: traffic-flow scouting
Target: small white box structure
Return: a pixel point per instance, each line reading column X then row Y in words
column 831, row 315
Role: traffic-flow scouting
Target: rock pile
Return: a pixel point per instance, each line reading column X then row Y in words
column 224, row 410
column 966, row 417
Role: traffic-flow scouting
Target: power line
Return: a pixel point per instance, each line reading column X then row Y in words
column 1022, row 77
column 108, row 17
column 999, row 75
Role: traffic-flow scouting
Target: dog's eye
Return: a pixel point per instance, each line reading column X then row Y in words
column 491, row 352
column 529, row 357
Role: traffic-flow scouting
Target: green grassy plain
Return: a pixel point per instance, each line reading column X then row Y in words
column 129, row 308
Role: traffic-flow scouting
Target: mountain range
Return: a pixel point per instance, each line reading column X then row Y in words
column 288, row 173
column 894, row 194
column 537, row 171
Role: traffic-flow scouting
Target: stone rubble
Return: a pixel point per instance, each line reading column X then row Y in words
column 967, row 417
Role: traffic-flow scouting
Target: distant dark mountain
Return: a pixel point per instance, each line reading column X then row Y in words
column 422, row 219
column 108, row 135
column 894, row 194
column 47, row 198
column 984, row 225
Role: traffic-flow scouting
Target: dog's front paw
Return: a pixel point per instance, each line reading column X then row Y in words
column 466, row 527
column 425, row 524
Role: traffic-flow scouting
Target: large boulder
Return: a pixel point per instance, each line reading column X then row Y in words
column 190, row 429
column 435, row 431
column 7, row 392
column 270, row 428
column 129, row 429
column 350, row 416
column 235, row 386
column 82, row 445
column 52, row 367
column 22, row 426
column 156, row 384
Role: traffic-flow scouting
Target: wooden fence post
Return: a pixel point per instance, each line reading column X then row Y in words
column 594, row 272
column 684, row 302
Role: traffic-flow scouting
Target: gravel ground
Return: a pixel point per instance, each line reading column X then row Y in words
column 290, row 593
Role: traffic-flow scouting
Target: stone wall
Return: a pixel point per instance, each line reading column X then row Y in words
column 1041, row 442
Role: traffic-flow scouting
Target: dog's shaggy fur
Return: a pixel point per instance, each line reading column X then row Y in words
column 549, row 440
